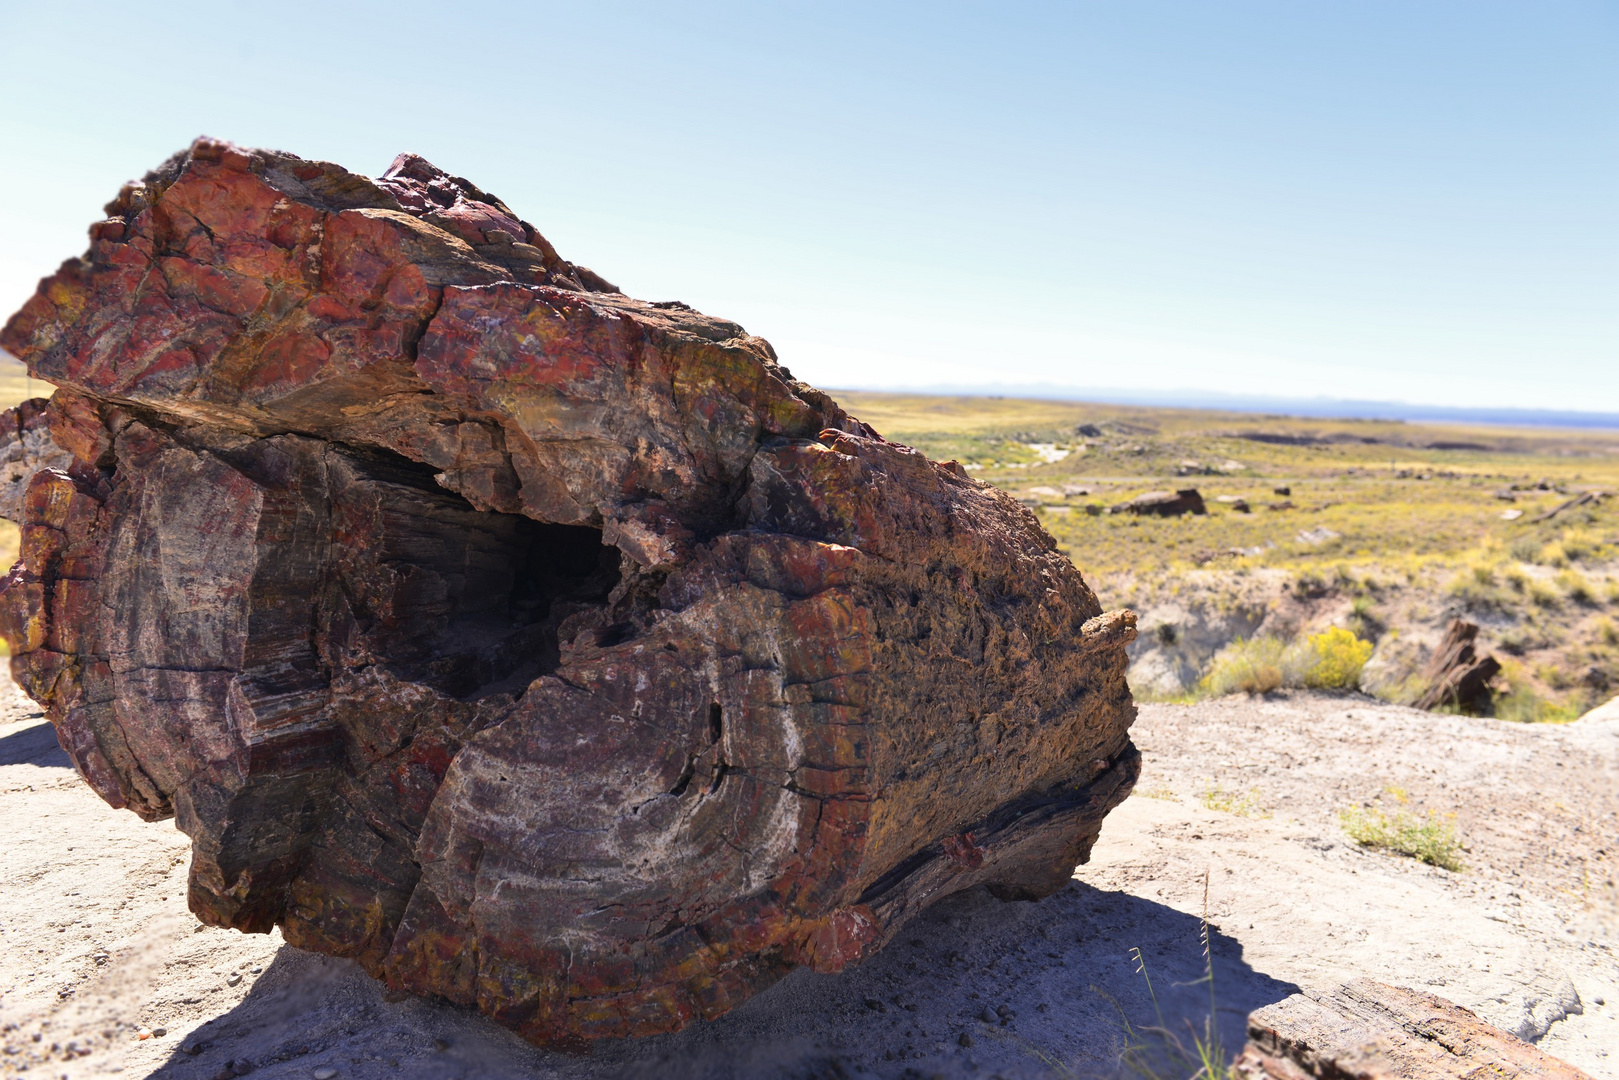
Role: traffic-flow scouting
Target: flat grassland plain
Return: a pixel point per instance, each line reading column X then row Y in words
column 1387, row 529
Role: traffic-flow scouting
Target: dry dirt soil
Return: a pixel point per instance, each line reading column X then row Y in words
column 96, row 943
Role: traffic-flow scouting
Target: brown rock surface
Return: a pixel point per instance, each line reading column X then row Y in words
column 542, row 649
column 1367, row 1030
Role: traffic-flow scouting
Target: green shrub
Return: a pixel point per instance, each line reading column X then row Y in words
column 1429, row 839
column 1363, row 621
column 1522, row 705
column 1525, row 549
column 1577, row 587
column 1554, row 676
column 1247, row 667
column 1579, row 545
column 1338, row 657
column 1553, row 554
column 1476, row 587
column 1331, row 660
column 1543, row 595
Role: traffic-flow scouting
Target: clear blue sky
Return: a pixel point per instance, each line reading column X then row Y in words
column 1411, row 200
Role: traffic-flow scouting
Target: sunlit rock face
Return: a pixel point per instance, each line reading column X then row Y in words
column 542, row 649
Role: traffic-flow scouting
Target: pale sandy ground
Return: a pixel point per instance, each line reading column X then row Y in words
column 95, row 940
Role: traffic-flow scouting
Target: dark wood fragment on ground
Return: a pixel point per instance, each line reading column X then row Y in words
column 1367, row 1030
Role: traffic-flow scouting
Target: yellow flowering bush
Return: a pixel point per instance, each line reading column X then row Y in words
column 1338, row 656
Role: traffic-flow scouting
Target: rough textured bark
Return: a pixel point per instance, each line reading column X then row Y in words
column 1456, row 675
column 1367, row 1030
column 543, row 649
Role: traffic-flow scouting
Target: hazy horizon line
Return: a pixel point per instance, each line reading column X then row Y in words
column 1317, row 407
column 1321, row 406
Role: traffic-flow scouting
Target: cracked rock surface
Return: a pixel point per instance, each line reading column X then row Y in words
column 541, row 649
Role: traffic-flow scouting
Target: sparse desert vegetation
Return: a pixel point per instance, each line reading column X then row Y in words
column 1378, row 532
column 1429, row 838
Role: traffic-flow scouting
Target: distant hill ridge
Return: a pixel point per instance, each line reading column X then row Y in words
column 1316, row 407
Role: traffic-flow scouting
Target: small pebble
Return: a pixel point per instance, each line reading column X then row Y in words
column 143, row 1034
column 255, row 969
column 325, row 1072
column 232, row 979
column 988, row 1015
column 441, row 1044
column 1599, row 1001
column 965, row 1039
column 158, row 1033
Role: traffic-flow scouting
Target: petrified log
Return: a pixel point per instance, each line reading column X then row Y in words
column 1163, row 504
column 1585, row 498
column 542, row 649
column 1456, row 675
column 1367, row 1030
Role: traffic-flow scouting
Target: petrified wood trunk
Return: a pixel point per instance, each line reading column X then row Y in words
column 1367, row 1030
column 540, row 648
column 1456, row 675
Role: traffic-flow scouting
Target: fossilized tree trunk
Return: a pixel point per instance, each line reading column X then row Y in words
column 1367, row 1030
column 1456, row 675
column 541, row 648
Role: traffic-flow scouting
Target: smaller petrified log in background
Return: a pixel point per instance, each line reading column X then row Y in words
column 1164, row 504
column 1585, row 498
column 1367, row 1030
column 1456, row 675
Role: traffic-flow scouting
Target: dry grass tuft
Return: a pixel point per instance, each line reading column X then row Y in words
column 1242, row 804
